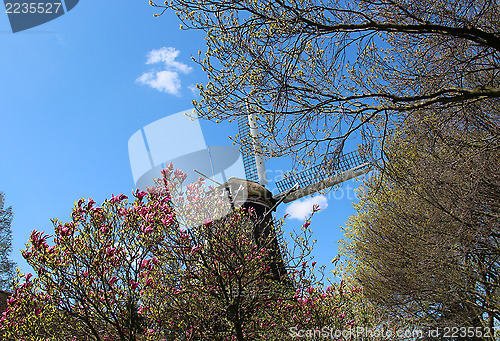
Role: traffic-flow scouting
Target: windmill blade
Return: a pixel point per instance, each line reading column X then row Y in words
column 259, row 159
column 247, row 150
column 319, row 177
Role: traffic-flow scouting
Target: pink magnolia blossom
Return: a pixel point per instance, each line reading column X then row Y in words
column 117, row 198
column 144, row 263
column 90, row 203
column 147, row 229
column 166, row 173
column 180, row 175
column 134, row 285
column 140, row 194
column 65, row 230
column 110, row 251
column 196, row 248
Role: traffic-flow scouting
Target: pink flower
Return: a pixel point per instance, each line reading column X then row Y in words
column 65, row 230
column 134, row 285
column 169, row 219
column 140, row 195
column 310, row 290
column 314, row 263
column 110, row 251
column 51, row 249
column 38, row 311
column 180, row 175
column 117, row 198
column 113, row 280
column 306, row 224
column 144, row 263
column 166, row 173
column 140, row 310
column 28, row 276
column 147, row 229
column 196, row 248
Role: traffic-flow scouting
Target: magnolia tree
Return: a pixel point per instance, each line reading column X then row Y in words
column 137, row 270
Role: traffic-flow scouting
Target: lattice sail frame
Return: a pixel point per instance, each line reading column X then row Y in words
column 247, row 150
column 322, row 172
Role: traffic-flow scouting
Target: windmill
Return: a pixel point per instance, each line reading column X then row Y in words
column 150, row 148
column 292, row 187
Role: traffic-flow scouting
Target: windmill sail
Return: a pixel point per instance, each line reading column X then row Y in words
column 247, row 150
column 323, row 176
column 259, row 159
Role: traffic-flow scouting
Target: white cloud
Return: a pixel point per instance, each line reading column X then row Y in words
column 302, row 209
column 194, row 89
column 167, row 78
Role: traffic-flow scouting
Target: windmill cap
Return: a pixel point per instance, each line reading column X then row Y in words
column 248, row 191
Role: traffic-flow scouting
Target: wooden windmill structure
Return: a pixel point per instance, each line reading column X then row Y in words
column 293, row 187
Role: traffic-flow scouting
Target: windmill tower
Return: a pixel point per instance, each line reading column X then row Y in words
column 293, row 187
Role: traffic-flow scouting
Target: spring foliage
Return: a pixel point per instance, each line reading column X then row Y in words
column 129, row 270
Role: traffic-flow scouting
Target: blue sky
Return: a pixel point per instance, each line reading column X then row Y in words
column 74, row 90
